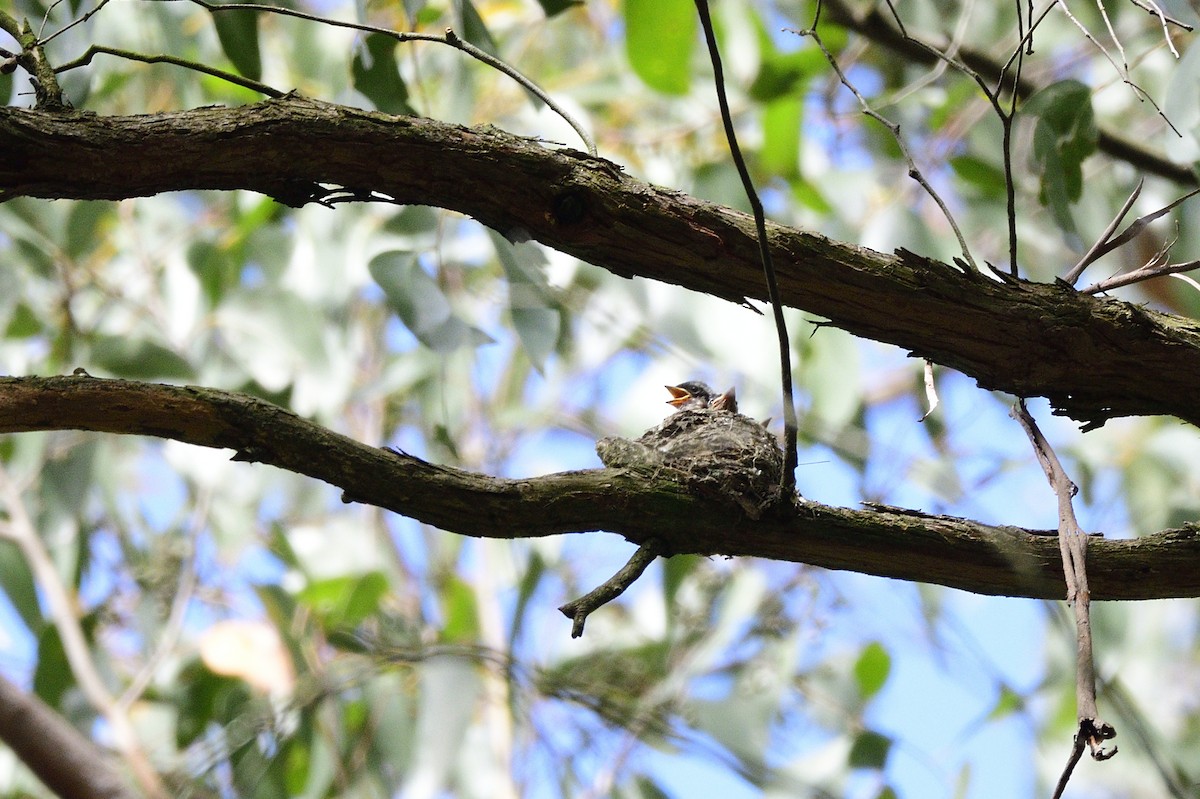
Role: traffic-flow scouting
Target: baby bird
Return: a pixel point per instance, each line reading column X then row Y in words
column 694, row 395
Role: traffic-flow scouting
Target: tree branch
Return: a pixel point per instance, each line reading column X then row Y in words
column 889, row 542
column 65, row 761
column 1007, row 335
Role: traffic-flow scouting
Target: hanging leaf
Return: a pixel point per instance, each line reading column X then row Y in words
column 238, row 33
column 870, row 750
column 1064, row 134
column 377, row 75
column 473, row 29
column 420, row 303
column 530, row 301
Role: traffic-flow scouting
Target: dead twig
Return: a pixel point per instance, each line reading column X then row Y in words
column 1072, row 542
column 1107, row 242
column 579, row 609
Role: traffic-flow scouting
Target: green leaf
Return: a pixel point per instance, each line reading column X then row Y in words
column 23, row 323
column 17, row 583
column 659, row 37
column 217, row 268
column 238, row 32
column 1064, row 134
column 1007, row 703
column 139, row 359
column 986, row 178
column 377, row 75
column 83, row 225
column 345, row 601
column 780, row 152
column 554, row 7
column 52, row 677
column 420, row 303
column 872, row 668
column 535, row 569
column 870, row 750
column 460, row 612
column 473, row 29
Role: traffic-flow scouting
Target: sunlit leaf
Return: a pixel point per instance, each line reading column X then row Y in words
column 872, row 668
column 659, row 38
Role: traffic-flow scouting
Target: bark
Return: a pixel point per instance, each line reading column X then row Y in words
column 1094, row 359
column 883, row 541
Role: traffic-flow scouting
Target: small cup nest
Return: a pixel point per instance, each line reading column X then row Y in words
column 711, row 451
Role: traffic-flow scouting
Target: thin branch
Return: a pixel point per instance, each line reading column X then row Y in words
column 1107, row 243
column 42, row 41
column 873, row 25
column 450, row 38
column 790, row 452
column 162, row 58
column 913, row 171
column 1141, row 94
column 579, row 609
column 1073, row 546
column 1155, row 10
column 1095, row 252
column 1147, row 272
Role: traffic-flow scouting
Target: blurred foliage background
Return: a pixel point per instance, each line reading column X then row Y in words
column 264, row 640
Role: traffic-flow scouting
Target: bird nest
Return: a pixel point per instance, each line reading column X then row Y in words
column 712, row 451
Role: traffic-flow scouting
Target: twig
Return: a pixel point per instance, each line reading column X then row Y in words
column 1154, row 9
column 931, row 394
column 790, row 454
column 79, row 20
column 239, row 80
column 579, row 609
column 450, row 38
column 1106, row 243
column 1147, row 272
column 913, row 171
column 1072, row 542
column 1097, row 249
column 1138, row 92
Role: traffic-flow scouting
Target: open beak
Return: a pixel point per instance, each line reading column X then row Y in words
column 678, row 395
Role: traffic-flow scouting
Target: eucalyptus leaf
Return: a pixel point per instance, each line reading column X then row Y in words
column 237, row 30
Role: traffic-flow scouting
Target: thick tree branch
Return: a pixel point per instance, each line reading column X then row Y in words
column 1093, row 359
column 890, row 542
